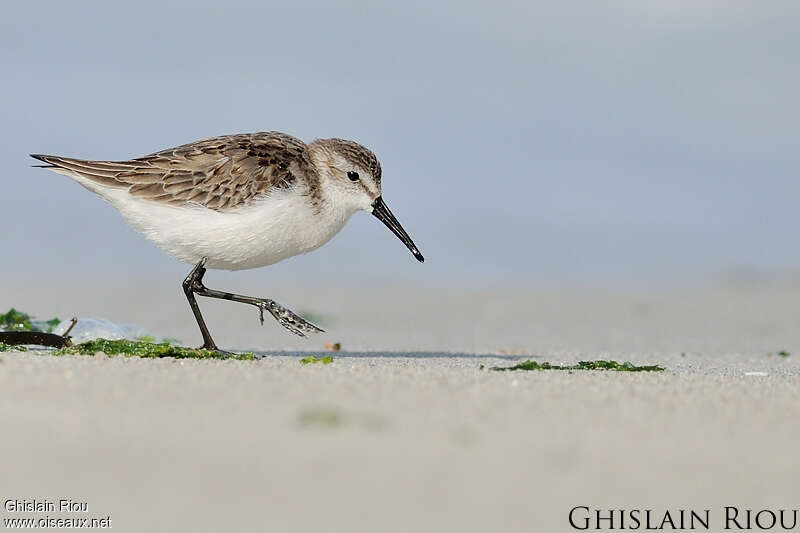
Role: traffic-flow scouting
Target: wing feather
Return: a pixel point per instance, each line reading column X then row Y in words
column 219, row 173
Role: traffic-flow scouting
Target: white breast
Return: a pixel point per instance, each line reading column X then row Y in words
column 274, row 228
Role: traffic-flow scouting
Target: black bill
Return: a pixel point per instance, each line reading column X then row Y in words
column 381, row 211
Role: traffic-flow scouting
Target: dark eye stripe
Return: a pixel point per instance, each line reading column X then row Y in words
column 352, row 175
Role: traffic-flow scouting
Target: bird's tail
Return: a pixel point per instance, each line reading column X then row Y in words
column 45, row 159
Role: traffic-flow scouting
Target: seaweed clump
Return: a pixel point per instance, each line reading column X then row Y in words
column 15, row 320
column 12, row 348
column 129, row 348
column 312, row 359
column 782, row 353
column 582, row 365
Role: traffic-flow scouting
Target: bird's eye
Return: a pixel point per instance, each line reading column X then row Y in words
column 352, row 175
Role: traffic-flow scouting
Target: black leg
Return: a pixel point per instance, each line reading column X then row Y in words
column 195, row 277
column 193, row 284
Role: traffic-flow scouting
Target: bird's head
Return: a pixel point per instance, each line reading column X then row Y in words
column 350, row 177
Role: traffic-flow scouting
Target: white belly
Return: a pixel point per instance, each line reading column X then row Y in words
column 260, row 234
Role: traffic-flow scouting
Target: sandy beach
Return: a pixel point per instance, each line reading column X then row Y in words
column 404, row 430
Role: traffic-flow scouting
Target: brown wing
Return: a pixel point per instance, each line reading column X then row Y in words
column 219, row 173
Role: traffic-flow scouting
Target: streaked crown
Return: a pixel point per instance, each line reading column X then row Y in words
column 356, row 154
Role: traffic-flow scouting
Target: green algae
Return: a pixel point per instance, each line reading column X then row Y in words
column 312, row 359
column 582, row 365
column 15, row 320
column 129, row 348
column 12, row 348
column 782, row 353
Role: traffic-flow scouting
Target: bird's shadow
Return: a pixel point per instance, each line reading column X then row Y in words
column 393, row 355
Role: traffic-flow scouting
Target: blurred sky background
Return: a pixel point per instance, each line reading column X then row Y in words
column 520, row 141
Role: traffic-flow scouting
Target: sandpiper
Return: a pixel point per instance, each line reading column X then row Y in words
column 240, row 201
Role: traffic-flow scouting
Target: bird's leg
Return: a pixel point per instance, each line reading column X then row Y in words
column 285, row 317
column 190, row 284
